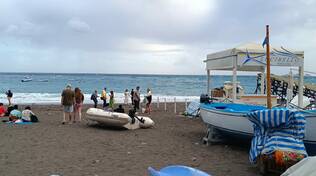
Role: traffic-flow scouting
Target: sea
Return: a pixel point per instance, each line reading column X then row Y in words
column 46, row 88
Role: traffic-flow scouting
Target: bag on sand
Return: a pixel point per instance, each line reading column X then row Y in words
column 34, row 118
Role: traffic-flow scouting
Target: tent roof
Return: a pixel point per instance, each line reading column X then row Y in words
column 223, row 60
column 250, row 47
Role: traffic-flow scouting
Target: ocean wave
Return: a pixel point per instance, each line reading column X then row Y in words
column 55, row 98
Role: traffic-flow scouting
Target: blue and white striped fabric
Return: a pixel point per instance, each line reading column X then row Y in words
column 277, row 129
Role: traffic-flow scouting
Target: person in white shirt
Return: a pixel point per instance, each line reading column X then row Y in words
column 26, row 114
column 126, row 94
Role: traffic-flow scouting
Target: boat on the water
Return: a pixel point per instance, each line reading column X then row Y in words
column 118, row 119
column 229, row 119
column 26, row 79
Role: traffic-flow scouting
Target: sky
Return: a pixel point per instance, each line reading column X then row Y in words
column 145, row 36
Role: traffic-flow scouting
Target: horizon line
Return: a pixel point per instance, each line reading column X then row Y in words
column 149, row 74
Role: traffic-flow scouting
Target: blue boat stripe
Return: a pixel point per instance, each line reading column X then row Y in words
column 302, row 147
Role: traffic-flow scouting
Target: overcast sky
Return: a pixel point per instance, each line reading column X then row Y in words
column 145, row 36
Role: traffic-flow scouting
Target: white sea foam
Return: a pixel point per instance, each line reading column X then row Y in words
column 54, row 98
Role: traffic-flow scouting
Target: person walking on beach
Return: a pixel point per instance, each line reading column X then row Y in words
column 9, row 96
column 67, row 100
column 94, row 98
column 132, row 96
column 104, row 97
column 149, row 98
column 78, row 104
column 136, row 98
column 126, row 97
column 111, row 104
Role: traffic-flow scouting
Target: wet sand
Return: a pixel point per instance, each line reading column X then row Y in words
column 49, row 147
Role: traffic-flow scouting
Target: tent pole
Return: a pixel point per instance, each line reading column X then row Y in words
column 208, row 82
column 234, row 79
column 289, row 91
column 262, row 81
column 300, row 86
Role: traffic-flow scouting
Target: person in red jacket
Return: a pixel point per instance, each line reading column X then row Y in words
column 2, row 110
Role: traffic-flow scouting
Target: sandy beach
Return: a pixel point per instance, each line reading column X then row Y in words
column 79, row 149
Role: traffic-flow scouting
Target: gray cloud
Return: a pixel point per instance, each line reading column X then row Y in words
column 79, row 25
column 165, row 36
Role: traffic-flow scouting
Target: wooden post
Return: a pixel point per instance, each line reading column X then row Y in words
column 269, row 105
column 158, row 102
column 262, row 82
column 175, row 105
column 165, row 104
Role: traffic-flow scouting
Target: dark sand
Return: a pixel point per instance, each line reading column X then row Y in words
column 73, row 150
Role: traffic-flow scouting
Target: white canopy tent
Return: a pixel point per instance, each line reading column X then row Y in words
column 251, row 57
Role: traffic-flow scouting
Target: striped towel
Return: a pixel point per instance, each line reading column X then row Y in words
column 277, row 129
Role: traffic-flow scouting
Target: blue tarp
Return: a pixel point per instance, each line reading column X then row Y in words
column 177, row 170
column 19, row 123
column 277, row 129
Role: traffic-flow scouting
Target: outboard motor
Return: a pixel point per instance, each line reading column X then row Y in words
column 204, row 98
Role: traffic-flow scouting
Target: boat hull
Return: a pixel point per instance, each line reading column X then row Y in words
column 107, row 118
column 116, row 119
column 238, row 125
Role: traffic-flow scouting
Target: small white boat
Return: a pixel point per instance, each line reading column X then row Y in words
column 118, row 119
column 26, row 79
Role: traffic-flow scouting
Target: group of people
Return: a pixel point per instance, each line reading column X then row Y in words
column 13, row 112
column 15, row 115
column 135, row 98
column 104, row 97
column 72, row 101
column 134, row 95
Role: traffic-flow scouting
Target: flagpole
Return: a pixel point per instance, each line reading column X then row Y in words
column 268, row 69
